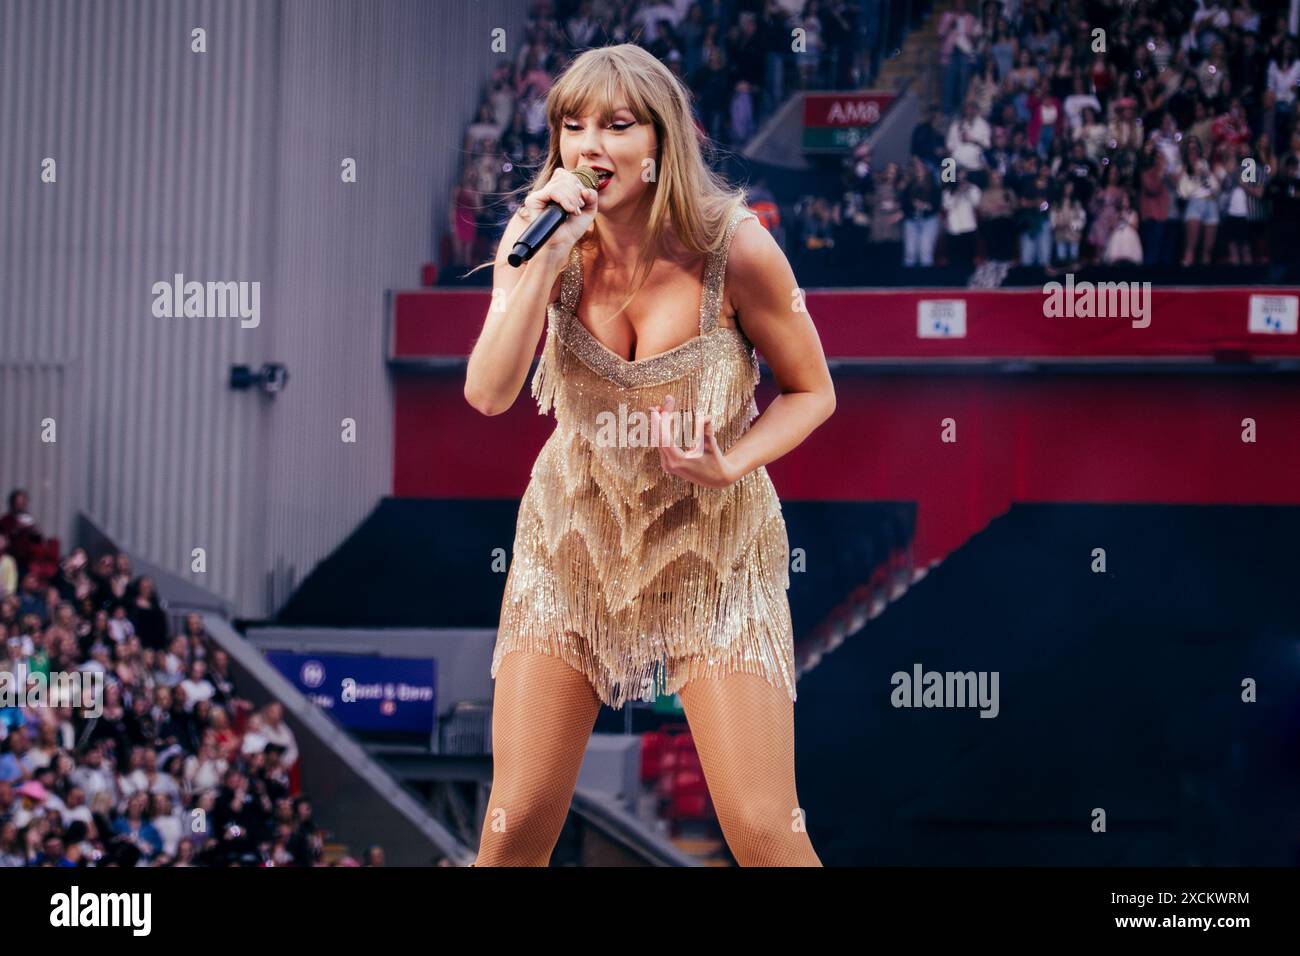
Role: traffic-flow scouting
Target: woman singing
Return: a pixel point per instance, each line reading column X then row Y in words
column 650, row 554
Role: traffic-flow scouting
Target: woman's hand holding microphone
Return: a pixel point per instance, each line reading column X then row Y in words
column 577, row 199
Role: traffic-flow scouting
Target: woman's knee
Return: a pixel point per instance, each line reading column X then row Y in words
column 525, row 805
column 761, row 823
column 521, row 829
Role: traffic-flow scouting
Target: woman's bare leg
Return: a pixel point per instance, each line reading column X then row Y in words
column 1207, row 247
column 1193, row 230
column 744, row 732
column 542, row 715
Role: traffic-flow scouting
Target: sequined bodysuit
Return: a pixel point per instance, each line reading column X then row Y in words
column 640, row 579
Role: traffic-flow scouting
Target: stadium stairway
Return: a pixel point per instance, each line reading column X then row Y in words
column 1119, row 689
column 918, row 61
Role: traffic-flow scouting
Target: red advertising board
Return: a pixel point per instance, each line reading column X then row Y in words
column 860, row 108
column 837, row 121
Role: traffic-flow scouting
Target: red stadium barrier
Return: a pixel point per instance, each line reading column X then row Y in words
column 1123, row 437
column 885, row 324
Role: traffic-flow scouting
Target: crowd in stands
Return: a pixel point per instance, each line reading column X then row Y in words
column 1088, row 132
column 736, row 56
column 1066, row 133
column 172, row 767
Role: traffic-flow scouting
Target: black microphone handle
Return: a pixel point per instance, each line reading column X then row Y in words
column 538, row 231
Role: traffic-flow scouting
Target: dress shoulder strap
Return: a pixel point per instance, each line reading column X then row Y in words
column 715, row 273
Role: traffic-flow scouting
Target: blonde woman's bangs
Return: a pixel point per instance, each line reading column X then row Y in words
column 599, row 88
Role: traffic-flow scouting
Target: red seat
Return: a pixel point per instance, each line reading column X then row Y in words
column 653, row 745
column 689, row 797
column 769, row 214
column 43, row 560
column 684, row 752
column 668, row 762
column 672, row 751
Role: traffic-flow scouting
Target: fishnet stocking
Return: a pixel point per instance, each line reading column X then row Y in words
column 744, row 733
column 543, row 711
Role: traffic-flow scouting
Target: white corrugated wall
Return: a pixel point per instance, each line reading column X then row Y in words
column 40, row 442
column 221, row 166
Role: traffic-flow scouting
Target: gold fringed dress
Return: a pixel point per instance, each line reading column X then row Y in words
column 639, row 579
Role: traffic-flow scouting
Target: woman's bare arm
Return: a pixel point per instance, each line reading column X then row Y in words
column 499, row 362
column 762, row 288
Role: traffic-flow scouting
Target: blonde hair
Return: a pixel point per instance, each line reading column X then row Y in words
column 687, row 196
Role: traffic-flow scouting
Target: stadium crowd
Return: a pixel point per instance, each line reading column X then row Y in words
column 172, row 767
column 1084, row 132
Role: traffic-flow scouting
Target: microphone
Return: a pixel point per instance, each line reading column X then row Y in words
column 547, row 221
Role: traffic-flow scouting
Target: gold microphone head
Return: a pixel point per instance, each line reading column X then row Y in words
column 587, row 175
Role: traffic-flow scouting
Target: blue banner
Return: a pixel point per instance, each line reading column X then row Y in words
column 365, row 692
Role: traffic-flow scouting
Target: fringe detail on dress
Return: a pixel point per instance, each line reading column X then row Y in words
column 549, row 374
column 688, row 622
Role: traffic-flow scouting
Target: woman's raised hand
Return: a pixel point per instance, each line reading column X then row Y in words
column 568, row 191
column 705, row 464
